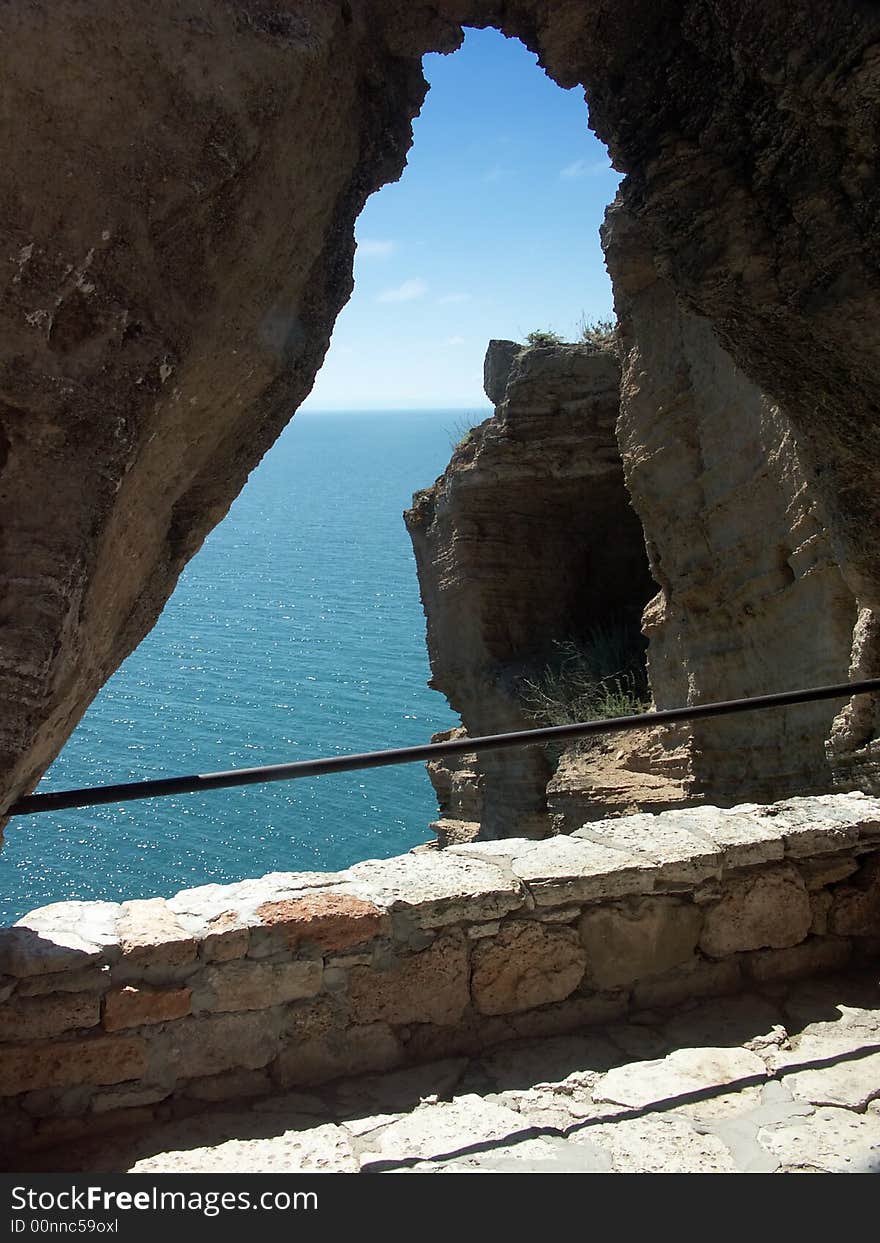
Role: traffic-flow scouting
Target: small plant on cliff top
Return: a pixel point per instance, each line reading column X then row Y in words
column 463, row 429
column 601, row 677
column 598, row 332
column 540, row 337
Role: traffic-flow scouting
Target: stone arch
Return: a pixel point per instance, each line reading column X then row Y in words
column 178, row 198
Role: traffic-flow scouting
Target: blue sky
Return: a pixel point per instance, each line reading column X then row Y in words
column 492, row 231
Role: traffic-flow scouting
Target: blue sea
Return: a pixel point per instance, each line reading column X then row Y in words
column 296, row 632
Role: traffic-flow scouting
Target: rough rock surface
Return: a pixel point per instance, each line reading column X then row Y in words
column 526, row 540
column 178, row 200
column 752, row 599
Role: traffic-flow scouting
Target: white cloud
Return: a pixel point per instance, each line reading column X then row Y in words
column 586, row 168
column 454, row 341
column 495, row 173
column 373, row 248
column 449, row 299
column 406, row 292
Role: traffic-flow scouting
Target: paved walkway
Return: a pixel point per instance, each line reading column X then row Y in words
column 783, row 1081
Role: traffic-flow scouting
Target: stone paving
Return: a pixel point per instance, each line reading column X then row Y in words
column 787, row 1080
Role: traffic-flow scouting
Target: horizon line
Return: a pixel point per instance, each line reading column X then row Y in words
column 396, row 409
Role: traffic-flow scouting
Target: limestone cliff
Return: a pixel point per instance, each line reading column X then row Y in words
column 528, row 538
column 178, row 192
column 752, row 598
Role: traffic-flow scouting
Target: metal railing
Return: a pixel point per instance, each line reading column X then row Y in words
column 94, row 796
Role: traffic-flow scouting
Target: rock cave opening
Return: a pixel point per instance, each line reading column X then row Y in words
column 169, row 301
column 747, row 387
column 408, row 297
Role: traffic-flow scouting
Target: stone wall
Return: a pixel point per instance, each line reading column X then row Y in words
column 114, row 1015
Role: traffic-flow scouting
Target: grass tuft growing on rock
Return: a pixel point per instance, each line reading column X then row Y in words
column 462, row 430
column 600, row 333
column 601, row 677
column 543, row 337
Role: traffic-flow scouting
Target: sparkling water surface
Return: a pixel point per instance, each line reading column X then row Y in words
column 295, row 632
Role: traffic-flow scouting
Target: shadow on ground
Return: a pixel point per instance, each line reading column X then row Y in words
column 783, row 1080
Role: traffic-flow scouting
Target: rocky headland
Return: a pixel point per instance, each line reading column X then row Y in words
column 644, row 488
column 524, row 546
column 179, row 195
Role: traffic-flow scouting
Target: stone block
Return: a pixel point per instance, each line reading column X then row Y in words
column 62, row 937
column 770, row 909
column 812, row 957
column 437, row 1129
column 502, row 850
column 820, row 824
column 39, row 1018
column 98, row 1060
column 136, row 1007
column 128, row 1098
column 570, row 1015
column 820, row 905
column 335, row 979
column 556, row 915
column 674, row 856
column 234, row 1084
column 438, row 887
column 684, row 1072
column 743, row 838
column 827, row 870
column 202, row 908
column 332, row 921
column 840, row 1069
column 563, row 870
column 59, row 1102
column 631, row 941
column 356, row 1051
column 91, row 979
column 256, row 986
column 151, row 935
column 855, row 911
column 699, row 979
column 527, row 965
column 211, row 1044
column 427, row 987
column 225, row 938
column 833, row 1140
column 426, row 1042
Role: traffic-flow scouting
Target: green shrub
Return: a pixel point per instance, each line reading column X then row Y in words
column 598, row 332
column 542, row 338
column 601, row 677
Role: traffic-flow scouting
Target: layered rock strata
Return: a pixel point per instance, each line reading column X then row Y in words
column 528, row 538
column 752, row 597
column 178, row 199
column 116, row 1015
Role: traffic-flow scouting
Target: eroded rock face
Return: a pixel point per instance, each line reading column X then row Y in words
column 529, row 537
column 178, row 197
column 752, row 599
column 178, row 207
